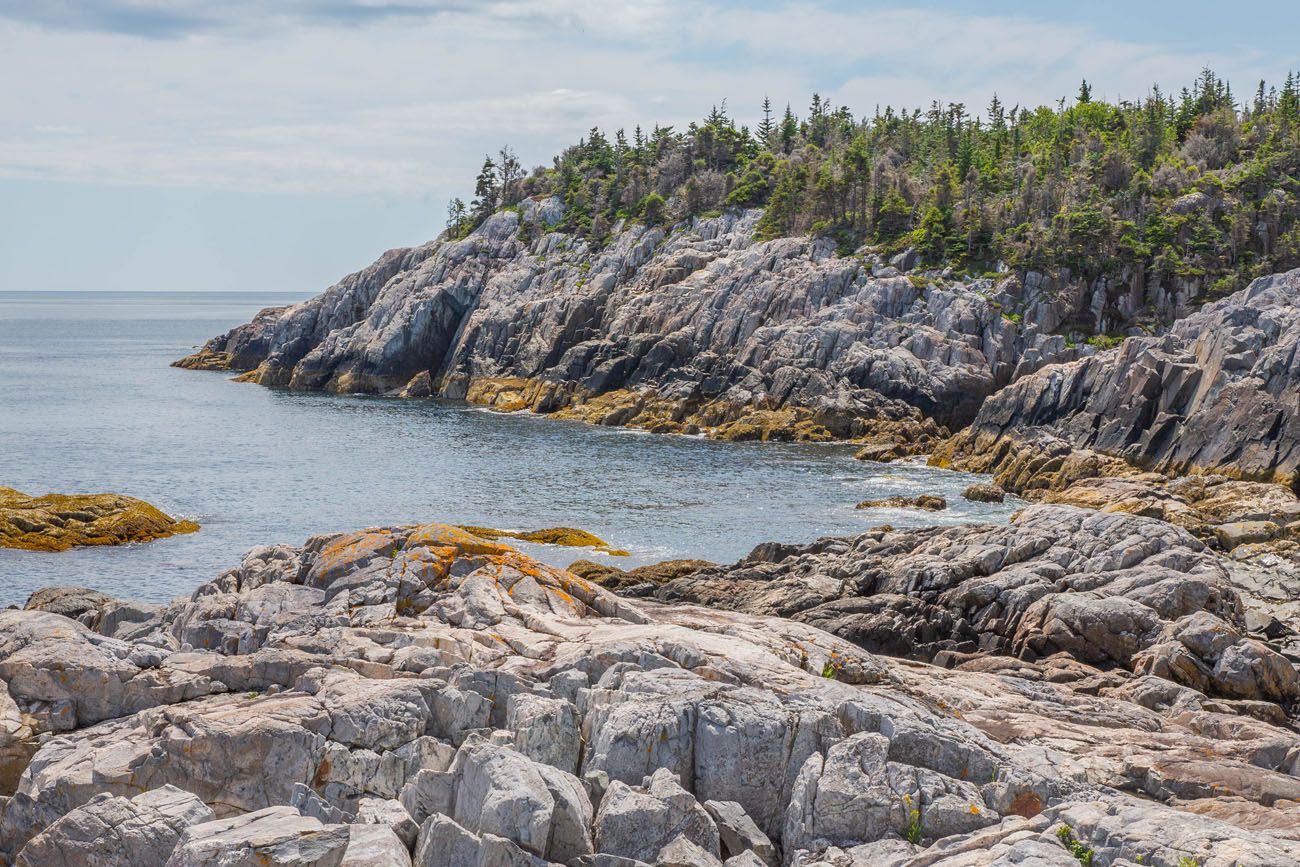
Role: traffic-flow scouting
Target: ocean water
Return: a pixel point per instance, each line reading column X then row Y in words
column 89, row 403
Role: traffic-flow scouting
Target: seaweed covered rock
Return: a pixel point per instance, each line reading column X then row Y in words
column 57, row 522
column 925, row 502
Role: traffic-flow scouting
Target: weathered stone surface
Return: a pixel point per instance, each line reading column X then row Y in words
column 423, row 678
column 639, row 822
column 273, row 836
column 375, row 846
column 110, row 831
column 1218, row 394
column 738, row 833
column 57, row 522
column 443, row 843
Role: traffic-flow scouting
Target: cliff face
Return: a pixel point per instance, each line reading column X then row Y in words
column 700, row 326
column 1220, row 392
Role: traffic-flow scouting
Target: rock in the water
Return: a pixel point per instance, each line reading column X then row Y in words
column 927, row 502
column 984, row 494
column 57, row 522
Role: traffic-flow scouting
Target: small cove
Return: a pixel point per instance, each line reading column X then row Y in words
column 89, row 403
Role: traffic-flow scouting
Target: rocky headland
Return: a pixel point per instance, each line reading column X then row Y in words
column 57, row 522
column 420, row 695
column 700, row 327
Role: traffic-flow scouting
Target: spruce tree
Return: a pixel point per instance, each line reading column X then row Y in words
column 789, row 130
column 486, row 191
column 766, row 126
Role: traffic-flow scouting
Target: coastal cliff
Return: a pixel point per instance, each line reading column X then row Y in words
column 1219, row 393
column 700, row 327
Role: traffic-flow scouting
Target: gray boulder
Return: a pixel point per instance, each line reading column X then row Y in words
column 109, row 831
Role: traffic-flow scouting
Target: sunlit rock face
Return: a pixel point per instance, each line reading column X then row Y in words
column 421, row 695
column 700, row 327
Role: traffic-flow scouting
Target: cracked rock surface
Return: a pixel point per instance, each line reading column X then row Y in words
column 418, row 695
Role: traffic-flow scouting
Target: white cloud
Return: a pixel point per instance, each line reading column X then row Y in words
column 403, row 98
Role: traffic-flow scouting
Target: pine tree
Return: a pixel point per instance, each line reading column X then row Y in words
column 486, row 191
column 511, row 172
column 766, row 126
column 789, row 130
column 456, row 217
column 1288, row 102
column 1085, row 93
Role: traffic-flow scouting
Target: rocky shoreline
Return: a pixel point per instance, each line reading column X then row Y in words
column 1109, row 679
column 420, row 695
column 701, row 328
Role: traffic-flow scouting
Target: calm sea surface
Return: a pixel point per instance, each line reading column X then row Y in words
column 89, row 403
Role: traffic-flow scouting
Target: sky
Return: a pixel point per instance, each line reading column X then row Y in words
column 245, row 145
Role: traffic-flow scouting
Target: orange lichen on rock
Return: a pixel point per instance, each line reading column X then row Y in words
column 57, row 522
column 567, row 536
column 464, row 539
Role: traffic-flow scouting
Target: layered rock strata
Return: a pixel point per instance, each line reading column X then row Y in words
column 1219, row 394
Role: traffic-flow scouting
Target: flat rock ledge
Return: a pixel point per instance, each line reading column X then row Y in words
column 422, row 696
column 57, row 522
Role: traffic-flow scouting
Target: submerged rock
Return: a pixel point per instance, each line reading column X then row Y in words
column 57, row 522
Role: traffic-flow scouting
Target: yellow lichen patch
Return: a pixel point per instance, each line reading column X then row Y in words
column 570, row 537
column 57, row 522
column 463, row 539
column 513, row 393
column 205, row 359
